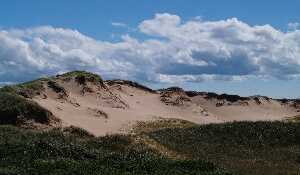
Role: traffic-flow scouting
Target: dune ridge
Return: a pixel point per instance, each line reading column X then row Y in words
column 104, row 107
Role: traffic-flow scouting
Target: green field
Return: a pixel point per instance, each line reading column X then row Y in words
column 244, row 147
column 74, row 151
column 230, row 148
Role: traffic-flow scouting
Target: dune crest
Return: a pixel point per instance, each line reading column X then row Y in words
column 102, row 107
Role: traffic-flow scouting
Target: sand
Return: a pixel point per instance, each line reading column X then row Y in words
column 116, row 108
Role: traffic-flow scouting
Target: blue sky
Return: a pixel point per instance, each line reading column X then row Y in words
column 236, row 47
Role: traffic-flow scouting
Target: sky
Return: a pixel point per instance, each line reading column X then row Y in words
column 225, row 46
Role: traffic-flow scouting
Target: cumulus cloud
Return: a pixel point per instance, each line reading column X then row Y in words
column 191, row 51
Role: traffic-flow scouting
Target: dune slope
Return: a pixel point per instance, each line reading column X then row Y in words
column 102, row 107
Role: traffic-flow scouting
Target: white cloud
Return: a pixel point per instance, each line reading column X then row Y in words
column 192, row 51
column 126, row 26
column 117, row 24
column 165, row 25
column 293, row 25
column 198, row 18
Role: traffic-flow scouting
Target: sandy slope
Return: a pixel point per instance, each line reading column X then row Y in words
column 247, row 110
column 86, row 106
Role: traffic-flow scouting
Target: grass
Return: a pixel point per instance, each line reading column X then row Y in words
column 79, row 76
column 27, row 90
column 244, row 147
column 76, row 152
column 56, row 87
column 16, row 110
column 161, row 124
column 35, row 87
column 129, row 83
column 293, row 119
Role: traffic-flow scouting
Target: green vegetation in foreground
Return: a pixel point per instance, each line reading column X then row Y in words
column 74, row 151
column 244, row 147
column 16, row 110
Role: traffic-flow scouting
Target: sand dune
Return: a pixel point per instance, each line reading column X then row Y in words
column 114, row 106
column 252, row 109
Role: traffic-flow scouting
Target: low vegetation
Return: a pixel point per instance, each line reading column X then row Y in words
column 73, row 151
column 244, row 147
column 241, row 147
column 16, row 110
column 56, row 87
column 160, row 124
column 129, row 83
column 292, row 119
column 27, row 90
column 80, row 76
column 35, row 87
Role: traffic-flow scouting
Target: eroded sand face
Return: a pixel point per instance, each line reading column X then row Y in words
column 116, row 107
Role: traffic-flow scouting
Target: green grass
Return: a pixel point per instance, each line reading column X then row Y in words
column 16, row 110
column 35, row 87
column 78, row 76
column 76, row 152
column 244, row 147
column 27, row 90
column 161, row 124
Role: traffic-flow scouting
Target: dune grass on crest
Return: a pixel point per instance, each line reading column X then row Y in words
column 35, row 87
column 27, row 90
column 77, row 74
column 244, row 147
